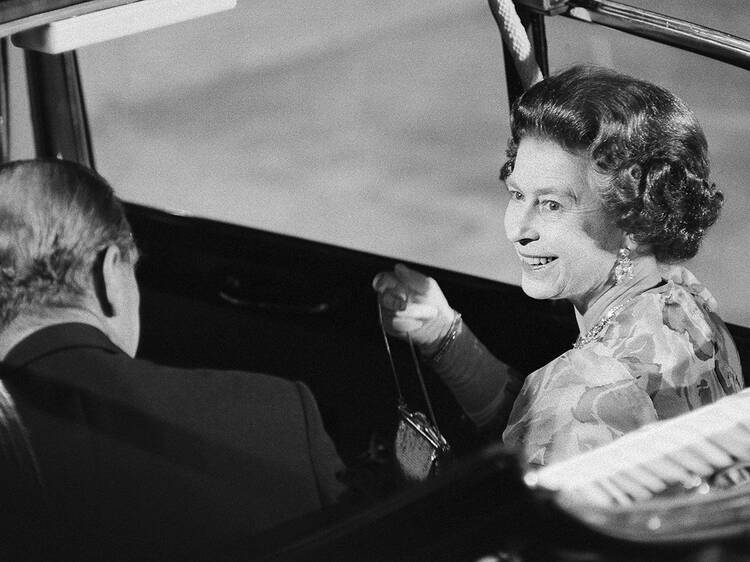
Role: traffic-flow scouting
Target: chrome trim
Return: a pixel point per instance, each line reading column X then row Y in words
column 663, row 29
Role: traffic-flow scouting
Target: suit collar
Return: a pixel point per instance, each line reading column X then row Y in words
column 56, row 338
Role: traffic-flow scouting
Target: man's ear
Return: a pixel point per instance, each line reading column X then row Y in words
column 111, row 292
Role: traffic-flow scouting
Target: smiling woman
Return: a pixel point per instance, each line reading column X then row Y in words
column 608, row 181
column 553, row 218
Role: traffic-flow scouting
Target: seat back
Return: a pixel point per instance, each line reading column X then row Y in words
column 25, row 522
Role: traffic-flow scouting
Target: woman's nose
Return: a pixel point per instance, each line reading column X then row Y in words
column 520, row 224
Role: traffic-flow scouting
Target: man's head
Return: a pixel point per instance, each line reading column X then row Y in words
column 65, row 245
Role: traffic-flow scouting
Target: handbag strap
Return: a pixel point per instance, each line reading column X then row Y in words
column 390, row 357
column 415, row 360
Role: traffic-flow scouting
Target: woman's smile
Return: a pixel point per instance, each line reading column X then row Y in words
column 534, row 264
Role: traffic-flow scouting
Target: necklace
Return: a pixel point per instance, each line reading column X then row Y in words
column 597, row 328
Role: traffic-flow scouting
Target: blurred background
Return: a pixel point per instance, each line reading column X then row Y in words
column 379, row 126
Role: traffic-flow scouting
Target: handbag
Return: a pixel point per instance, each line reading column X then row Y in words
column 419, row 447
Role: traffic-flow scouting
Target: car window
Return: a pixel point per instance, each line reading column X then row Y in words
column 379, row 127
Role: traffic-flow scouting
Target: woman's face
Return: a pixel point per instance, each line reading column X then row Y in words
column 554, row 218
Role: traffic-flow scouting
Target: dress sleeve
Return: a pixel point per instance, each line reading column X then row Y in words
column 326, row 463
column 484, row 386
column 580, row 401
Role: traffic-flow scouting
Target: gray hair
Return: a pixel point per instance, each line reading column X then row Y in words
column 56, row 217
column 640, row 135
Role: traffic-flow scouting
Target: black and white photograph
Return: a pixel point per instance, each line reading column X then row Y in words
column 459, row 280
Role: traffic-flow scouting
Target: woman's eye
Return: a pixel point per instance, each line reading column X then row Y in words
column 551, row 205
column 517, row 195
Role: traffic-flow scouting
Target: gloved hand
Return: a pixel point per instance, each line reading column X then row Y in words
column 413, row 303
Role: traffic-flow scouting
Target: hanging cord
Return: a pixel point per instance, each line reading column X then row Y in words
column 415, row 359
column 390, row 357
column 515, row 38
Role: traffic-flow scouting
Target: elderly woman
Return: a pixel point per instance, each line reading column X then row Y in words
column 608, row 179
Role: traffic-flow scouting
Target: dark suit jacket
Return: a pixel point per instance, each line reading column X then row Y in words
column 140, row 459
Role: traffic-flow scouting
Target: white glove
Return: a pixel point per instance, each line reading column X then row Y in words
column 413, row 303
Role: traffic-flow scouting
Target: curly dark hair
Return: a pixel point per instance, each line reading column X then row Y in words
column 645, row 141
column 55, row 219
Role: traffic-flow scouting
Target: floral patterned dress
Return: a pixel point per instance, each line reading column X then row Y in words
column 665, row 353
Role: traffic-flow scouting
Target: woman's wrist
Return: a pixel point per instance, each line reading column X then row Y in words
column 437, row 350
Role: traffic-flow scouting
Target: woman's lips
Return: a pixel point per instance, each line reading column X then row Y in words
column 536, row 263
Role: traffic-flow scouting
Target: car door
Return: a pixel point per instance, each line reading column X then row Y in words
column 275, row 159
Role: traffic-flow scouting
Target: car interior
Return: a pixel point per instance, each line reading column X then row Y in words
column 219, row 294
